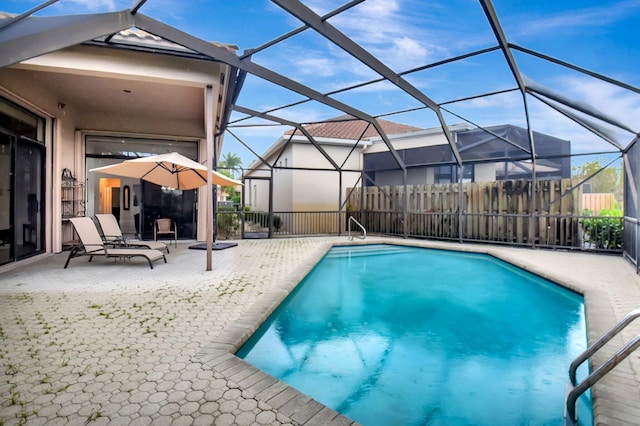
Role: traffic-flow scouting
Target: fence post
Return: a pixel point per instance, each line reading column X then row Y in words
column 405, row 205
column 340, row 202
column 460, row 199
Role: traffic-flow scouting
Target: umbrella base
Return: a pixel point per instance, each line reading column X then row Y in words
column 214, row 246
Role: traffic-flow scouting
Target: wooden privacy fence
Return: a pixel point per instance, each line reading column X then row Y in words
column 485, row 211
column 598, row 201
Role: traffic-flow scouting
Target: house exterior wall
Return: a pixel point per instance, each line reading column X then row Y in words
column 65, row 145
column 422, row 151
column 304, row 190
column 59, row 142
column 130, row 66
column 415, row 176
column 485, row 172
column 409, row 140
column 257, row 190
column 319, row 190
column 283, row 181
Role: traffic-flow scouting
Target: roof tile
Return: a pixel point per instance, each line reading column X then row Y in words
column 349, row 127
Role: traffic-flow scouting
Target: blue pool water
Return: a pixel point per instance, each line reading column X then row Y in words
column 391, row 335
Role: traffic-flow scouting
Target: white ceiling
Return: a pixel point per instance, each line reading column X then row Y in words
column 120, row 96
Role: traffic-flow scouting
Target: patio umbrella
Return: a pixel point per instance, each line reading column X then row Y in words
column 172, row 170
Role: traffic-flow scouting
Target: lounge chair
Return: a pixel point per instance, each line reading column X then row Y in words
column 92, row 245
column 112, row 234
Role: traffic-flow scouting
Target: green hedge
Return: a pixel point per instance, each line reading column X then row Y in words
column 604, row 231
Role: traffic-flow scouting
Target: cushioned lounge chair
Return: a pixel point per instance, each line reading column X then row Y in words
column 112, row 234
column 92, row 245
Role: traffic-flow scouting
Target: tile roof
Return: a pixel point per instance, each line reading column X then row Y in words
column 132, row 36
column 136, row 36
column 348, row 127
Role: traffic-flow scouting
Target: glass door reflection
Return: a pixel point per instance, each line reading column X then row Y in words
column 28, row 199
column 6, row 230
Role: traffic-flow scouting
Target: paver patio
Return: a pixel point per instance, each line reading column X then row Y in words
column 113, row 343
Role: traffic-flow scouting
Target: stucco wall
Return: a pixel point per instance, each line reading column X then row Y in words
column 283, row 182
column 23, row 84
column 320, row 190
column 410, row 140
column 485, row 172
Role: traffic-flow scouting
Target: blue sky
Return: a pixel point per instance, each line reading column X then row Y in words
column 598, row 35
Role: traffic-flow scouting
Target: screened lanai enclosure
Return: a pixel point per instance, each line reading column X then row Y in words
column 453, row 120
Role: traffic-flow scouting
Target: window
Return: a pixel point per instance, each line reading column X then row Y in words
column 449, row 174
column 21, row 122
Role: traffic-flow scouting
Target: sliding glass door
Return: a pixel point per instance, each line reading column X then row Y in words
column 29, row 199
column 137, row 203
column 21, row 198
column 6, row 210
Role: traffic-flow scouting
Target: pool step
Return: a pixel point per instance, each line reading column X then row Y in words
column 366, row 250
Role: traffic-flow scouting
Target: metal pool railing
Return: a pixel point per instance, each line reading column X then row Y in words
column 358, row 224
column 576, row 389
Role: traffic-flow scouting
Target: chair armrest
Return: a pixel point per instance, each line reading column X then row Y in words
column 114, row 240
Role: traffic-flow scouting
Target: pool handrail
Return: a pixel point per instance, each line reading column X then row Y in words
column 364, row 231
column 571, row 418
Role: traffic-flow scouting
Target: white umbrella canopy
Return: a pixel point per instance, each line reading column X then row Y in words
column 171, row 170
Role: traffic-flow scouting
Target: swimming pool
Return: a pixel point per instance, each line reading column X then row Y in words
column 400, row 335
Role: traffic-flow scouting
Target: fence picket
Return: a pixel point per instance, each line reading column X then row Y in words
column 492, row 211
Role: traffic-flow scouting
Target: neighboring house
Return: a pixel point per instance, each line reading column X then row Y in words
column 303, row 179
column 496, row 153
column 486, row 154
column 92, row 104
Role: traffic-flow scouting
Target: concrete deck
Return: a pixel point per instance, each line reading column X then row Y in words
column 112, row 343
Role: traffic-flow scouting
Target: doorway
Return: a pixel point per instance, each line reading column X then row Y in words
column 109, row 196
column 21, row 197
column 177, row 205
column 137, row 203
column 258, row 219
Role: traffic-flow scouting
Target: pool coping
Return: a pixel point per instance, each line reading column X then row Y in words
column 219, row 354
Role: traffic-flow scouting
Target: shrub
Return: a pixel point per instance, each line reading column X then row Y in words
column 604, row 231
column 262, row 219
column 227, row 221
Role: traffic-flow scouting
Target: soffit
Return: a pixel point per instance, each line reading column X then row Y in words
column 110, row 96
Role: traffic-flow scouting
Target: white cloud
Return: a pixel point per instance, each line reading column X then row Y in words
column 383, row 28
column 613, row 101
column 317, row 66
column 586, row 18
column 91, row 5
column 405, row 53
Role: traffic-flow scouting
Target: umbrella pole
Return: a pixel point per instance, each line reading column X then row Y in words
column 208, row 113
